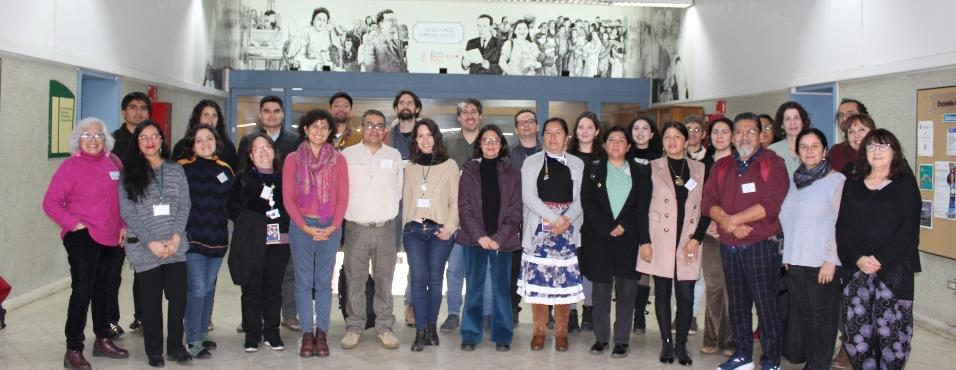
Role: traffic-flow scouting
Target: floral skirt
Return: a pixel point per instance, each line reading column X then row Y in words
column 549, row 269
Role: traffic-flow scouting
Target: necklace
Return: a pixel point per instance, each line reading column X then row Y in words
column 425, row 171
column 678, row 178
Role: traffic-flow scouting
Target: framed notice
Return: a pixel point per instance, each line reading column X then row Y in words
column 936, row 169
column 62, row 105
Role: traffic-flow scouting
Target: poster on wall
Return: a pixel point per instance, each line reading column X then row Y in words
column 944, row 196
column 926, row 214
column 62, row 103
column 925, row 177
column 924, row 138
column 546, row 40
column 951, row 141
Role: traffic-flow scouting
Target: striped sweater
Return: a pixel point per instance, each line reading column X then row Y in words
column 141, row 221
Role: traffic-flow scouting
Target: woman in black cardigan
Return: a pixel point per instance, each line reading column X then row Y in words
column 615, row 195
column 877, row 235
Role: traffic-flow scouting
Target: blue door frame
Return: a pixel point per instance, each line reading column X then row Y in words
column 99, row 96
column 542, row 90
column 820, row 103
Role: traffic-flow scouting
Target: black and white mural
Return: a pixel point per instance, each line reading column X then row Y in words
column 462, row 37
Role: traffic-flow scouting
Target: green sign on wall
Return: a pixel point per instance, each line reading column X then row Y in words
column 62, row 104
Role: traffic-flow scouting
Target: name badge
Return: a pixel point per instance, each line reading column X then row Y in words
column 748, row 188
column 114, row 175
column 272, row 234
column 690, row 185
column 387, row 163
column 222, row 177
column 423, row 203
column 266, row 192
column 161, row 210
column 273, row 214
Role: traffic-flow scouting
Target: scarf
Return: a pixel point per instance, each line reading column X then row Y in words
column 803, row 177
column 314, row 177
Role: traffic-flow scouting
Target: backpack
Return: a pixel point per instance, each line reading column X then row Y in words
column 369, row 298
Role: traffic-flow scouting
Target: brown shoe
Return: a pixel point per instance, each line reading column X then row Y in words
column 561, row 314
column 75, row 360
column 842, row 360
column 307, row 349
column 106, row 348
column 409, row 316
column 321, row 345
column 539, row 316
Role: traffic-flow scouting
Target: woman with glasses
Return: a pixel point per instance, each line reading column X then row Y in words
column 429, row 216
column 155, row 204
column 260, row 243
column 877, row 235
column 315, row 191
column 615, row 196
column 768, row 130
column 489, row 206
column 550, row 275
column 82, row 199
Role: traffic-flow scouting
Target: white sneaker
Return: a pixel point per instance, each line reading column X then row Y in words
column 388, row 340
column 277, row 346
column 350, row 340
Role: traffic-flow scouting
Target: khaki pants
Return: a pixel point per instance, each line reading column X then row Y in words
column 364, row 244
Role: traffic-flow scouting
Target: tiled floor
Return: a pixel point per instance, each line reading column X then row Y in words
column 34, row 340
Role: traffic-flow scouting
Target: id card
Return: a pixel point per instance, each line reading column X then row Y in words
column 690, row 185
column 387, row 163
column 423, row 203
column 273, row 214
column 222, row 177
column 161, row 210
column 114, row 175
column 748, row 188
column 266, row 193
column 272, row 234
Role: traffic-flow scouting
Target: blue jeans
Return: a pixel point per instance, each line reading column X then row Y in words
column 201, row 272
column 479, row 301
column 427, row 255
column 313, row 262
column 456, row 278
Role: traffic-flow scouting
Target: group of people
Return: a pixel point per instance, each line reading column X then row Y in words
column 553, row 219
column 523, row 47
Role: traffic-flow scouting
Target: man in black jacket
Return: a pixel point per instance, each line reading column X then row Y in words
column 488, row 45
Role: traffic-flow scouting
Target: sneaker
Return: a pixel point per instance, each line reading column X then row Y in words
column 350, row 340
column 136, row 325
column 252, row 347
column 769, row 366
column 274, row 344
column 737, row 363
column 451, row 323
column 292, row 324
column 198, row 351
column 388, row 340
column 409, row 316
column 693, row 327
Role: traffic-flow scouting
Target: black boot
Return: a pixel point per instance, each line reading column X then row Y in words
column 683, row 357
column 640, row 309
column 431, row 335
column 667, row 351
column 573, row 326
column 3, row 317
column 420, row 341
column 587, row 322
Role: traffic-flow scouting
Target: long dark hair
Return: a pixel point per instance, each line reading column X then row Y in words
column 656, row 145
column 898, row 165
column 502, row 152
column 197, row 112
column 137, row 173
column 575, row 146
column 276, row 161
column 778, row 120
column 189, row 141
column 440, row 152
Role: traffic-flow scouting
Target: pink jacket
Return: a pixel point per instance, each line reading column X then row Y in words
column 84, row 189
column 663, row 223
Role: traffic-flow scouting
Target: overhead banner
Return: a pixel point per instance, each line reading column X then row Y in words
column 62, row 105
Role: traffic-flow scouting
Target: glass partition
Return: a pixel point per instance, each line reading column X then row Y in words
column 619, row 114
column 247, row 115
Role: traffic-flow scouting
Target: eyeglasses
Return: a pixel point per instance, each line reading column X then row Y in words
column 694, row 130
column 878, row 148
column 92, row 136
column 527, row 123
column 490, row 141
column 372, row 126
column 767, row 127
column 261, row 148
column 846, row 114
column 750, row 132
column 149, row 138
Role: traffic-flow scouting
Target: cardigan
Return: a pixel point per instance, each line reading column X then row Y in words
column 170, row 180
column 441, row 194
column 470, row 206
column 602, row 256
column 535, row 210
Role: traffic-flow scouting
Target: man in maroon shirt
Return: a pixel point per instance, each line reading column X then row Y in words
column 842, row 154
column 743, row 196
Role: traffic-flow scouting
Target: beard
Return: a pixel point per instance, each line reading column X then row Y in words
column 745, row 150
column 340, row 119
column 405, row 115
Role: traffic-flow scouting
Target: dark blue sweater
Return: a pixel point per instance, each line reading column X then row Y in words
column 209, row 185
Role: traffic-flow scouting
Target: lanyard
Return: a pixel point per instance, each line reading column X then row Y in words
column 162, row 170
column 272, row 193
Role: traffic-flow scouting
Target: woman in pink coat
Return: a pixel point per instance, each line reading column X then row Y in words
column 676, row 229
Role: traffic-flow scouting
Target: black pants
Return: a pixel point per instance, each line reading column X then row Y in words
column 515, row 274
column 90, row 269
column 817, row 308
column 684, row 291
column 116, row 274
column 262, row 296
column 171, row 280
column 626, row 291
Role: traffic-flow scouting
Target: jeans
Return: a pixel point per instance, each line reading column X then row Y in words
column 313, row 262
column 427, row 255
column 262, row 296
column 169, row 280
column 91, row 266
column 456, row 280
column 479, row 264
column 201, row 271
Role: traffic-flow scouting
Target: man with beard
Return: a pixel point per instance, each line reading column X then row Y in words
column 489, row 47
column 340, row 105
column 743, row 196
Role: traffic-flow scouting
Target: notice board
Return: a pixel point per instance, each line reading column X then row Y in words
column 936, row 169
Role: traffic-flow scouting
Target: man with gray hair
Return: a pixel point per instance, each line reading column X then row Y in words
column 696, row 133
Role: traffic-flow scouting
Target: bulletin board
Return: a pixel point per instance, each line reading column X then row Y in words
column 936, row 169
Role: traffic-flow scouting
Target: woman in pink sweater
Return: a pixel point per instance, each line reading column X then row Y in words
column 82, row 198
column 315, row 191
